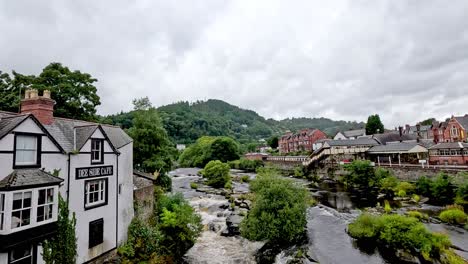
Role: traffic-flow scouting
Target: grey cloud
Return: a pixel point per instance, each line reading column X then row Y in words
column 340, row 59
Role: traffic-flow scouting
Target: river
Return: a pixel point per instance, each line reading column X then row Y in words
column 326, row 226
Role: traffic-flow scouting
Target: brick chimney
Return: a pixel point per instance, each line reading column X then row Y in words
column 42, row 107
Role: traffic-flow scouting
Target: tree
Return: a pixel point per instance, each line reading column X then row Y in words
column 74, row 91
column 224, row 149
column 217, row 173
column 62, row 247
column 152, row 149
column 178, row 223
column 142, row 103
column 427, row 122
column 273, row 142
column 207, row 149
column 361, row 175
column 278, row 212
column 374, row 125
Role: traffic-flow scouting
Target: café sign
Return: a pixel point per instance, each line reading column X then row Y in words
column 90, row 172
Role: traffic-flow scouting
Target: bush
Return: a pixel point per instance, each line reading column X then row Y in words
column 193, row 185
column 423, row 187
column 246, row 165
column 453, row 216
column 407, row 187
column 387, row 207
column 400, row 232
column 278, row 211
column 245, row 178
column 417, row 215
column 142, row 243
column 462, row 195
column 164, row 181
column 217, row 173
column 178, row 223
column 361, row 175
column 443, row 191
column 401, row 193
column 208, row 148
column 298, row 172
column 388, row 184
column 416, row 198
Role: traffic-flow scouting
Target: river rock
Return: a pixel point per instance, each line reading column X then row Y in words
column 233, row 221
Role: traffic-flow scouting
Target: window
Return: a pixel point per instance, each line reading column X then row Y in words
column 95, row 193
column 2, row 210
column 45, row 204
column 26, row 150
column 21, row 213
column 97, row 154
column 454, row 131
column 21, row 255
column 96, row 232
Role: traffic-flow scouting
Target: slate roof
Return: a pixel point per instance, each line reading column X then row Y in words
column 392, row 137
column 423, row 128
column 353, row 142
column 354, row 133
column 450, row 145
column 9, row 122
column 463, row 120
column 393, row 147
column 25, row 178
column 142, row 179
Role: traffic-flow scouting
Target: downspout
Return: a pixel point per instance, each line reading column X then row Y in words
column 117, row 202
column 68, row 178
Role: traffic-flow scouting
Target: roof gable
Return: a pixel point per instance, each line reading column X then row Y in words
column 28, row 178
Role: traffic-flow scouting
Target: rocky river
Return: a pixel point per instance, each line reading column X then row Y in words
column 327, row 241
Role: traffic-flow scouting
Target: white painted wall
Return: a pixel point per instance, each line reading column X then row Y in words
column 338, row 136
column 126, row 194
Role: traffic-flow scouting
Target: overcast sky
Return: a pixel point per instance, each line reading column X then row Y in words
column 405, row 60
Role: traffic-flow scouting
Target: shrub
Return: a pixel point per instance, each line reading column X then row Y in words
column 193, row 185
column 443, row 191
column 361, row 174
column 418, row 215
column 416, row 198
column 208, row 148
column 453, row 216
column 217, row 173
column 228, row 185
column 278, row 211
column 246, row 165
column 298, row 171
column 462, row 195
column 401, row 193
column 387, row 184
column 405, row 186
column 423, row 186
column 178, row 224
column 142, row 243
column 245, row 178
column 400, row 232
column 387, row 207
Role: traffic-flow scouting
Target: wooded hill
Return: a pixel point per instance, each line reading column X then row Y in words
column 185, row 122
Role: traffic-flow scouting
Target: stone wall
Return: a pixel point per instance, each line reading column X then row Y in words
column 144, row 202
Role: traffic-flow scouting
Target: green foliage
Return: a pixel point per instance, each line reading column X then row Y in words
column 194, row 185
column 246, row 164
column 245, row 178
column 427, row 122
column 74, row 91
column 207, row 149
column 279, row 209
column 400, row 232
column 374, row 125
column 143, row 242
column 216, row 173
column 62, row 247
column 179, row 225
column 152, row 149
column 273, row 142
column 462, row 195
column 387, row 207
column 361, row 175
column 453, row 216
column 417, row 215
column 401, row 193
column 164, row 181
column 440, row 191
column 388, row 183
column 407, row 187
column 299, row 172
column 416, row 198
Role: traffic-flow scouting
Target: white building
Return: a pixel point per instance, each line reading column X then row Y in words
column 94, row 164
column 350, row 134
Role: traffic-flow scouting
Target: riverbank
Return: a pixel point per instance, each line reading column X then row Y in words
column 327, row 242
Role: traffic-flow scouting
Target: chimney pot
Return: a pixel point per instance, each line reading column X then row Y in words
column 42, row 107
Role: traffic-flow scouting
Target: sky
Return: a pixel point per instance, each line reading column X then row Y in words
column 403, row 60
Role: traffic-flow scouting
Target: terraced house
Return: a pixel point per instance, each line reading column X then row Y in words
column 300, row 141
column 42, row 157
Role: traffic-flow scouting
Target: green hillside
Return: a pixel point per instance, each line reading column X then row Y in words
column 185, row 122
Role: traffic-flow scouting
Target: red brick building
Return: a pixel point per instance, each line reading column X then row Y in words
column 301, row 141
column 449, row 153
column 453, row 130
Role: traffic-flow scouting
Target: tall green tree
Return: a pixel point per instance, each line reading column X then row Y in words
column 74, row 91
column 152, row 149
column 62, row 248
column 428, row 121
column 374, row 125
column 273, row 142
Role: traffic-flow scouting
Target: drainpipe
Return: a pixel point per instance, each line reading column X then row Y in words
column 117, row 202
column 68, row 178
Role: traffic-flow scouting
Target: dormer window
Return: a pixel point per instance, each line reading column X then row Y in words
column 27, row 150
column 97, row 151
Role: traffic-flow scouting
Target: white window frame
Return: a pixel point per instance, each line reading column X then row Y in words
column 30, row 208
column 100, row 193
column 18, row 149
column 99, row 150
column 48, row 205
